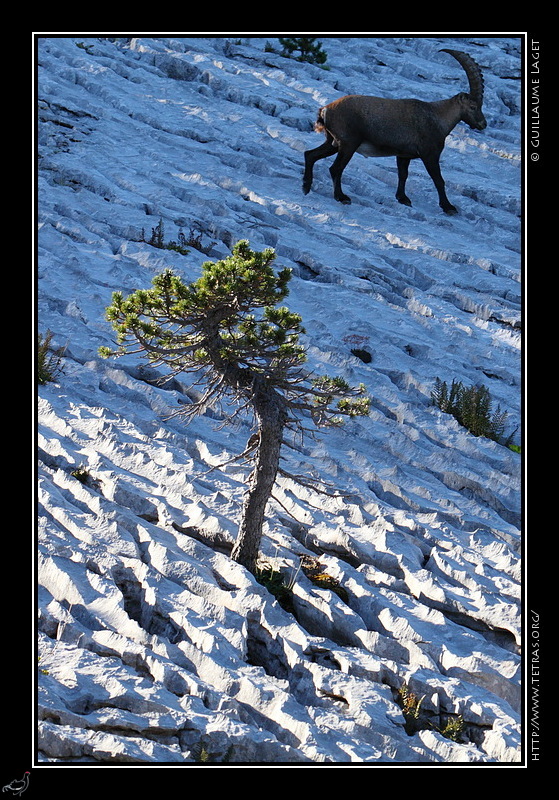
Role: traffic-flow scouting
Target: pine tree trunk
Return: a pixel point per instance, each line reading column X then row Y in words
column 271, row 415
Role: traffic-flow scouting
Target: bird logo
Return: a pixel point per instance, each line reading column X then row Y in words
column 17, row 787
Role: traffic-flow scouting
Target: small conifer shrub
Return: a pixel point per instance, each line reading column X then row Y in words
column 49, row 359
column 308, row 48
column 157, row 239
column 471, row 406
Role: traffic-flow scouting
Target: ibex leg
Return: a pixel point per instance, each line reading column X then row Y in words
column 311, row 157
column 433, row 168
column 403, row 166
column 341, row 161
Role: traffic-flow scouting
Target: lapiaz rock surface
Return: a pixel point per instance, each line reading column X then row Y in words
column 384, row 624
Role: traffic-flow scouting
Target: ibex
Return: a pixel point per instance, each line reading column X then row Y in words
column 407, row 129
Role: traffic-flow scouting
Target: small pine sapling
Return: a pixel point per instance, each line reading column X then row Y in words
column 310, row 50
column 471, row 406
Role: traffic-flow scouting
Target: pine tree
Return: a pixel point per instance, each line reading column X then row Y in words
column 471, row 406
column 310, row 50
column 228, row 328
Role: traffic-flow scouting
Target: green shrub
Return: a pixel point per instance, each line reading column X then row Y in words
column 202, row 755
column 275, row 583
column 410, row 704
column 157, row 239
column 325, row 581
column 453, row 728
column 471, row 407
column 81, row 474
column 49, row 360
column 309, row 49
column 183, row 243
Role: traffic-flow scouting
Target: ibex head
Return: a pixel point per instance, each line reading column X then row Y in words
column 472, row 114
